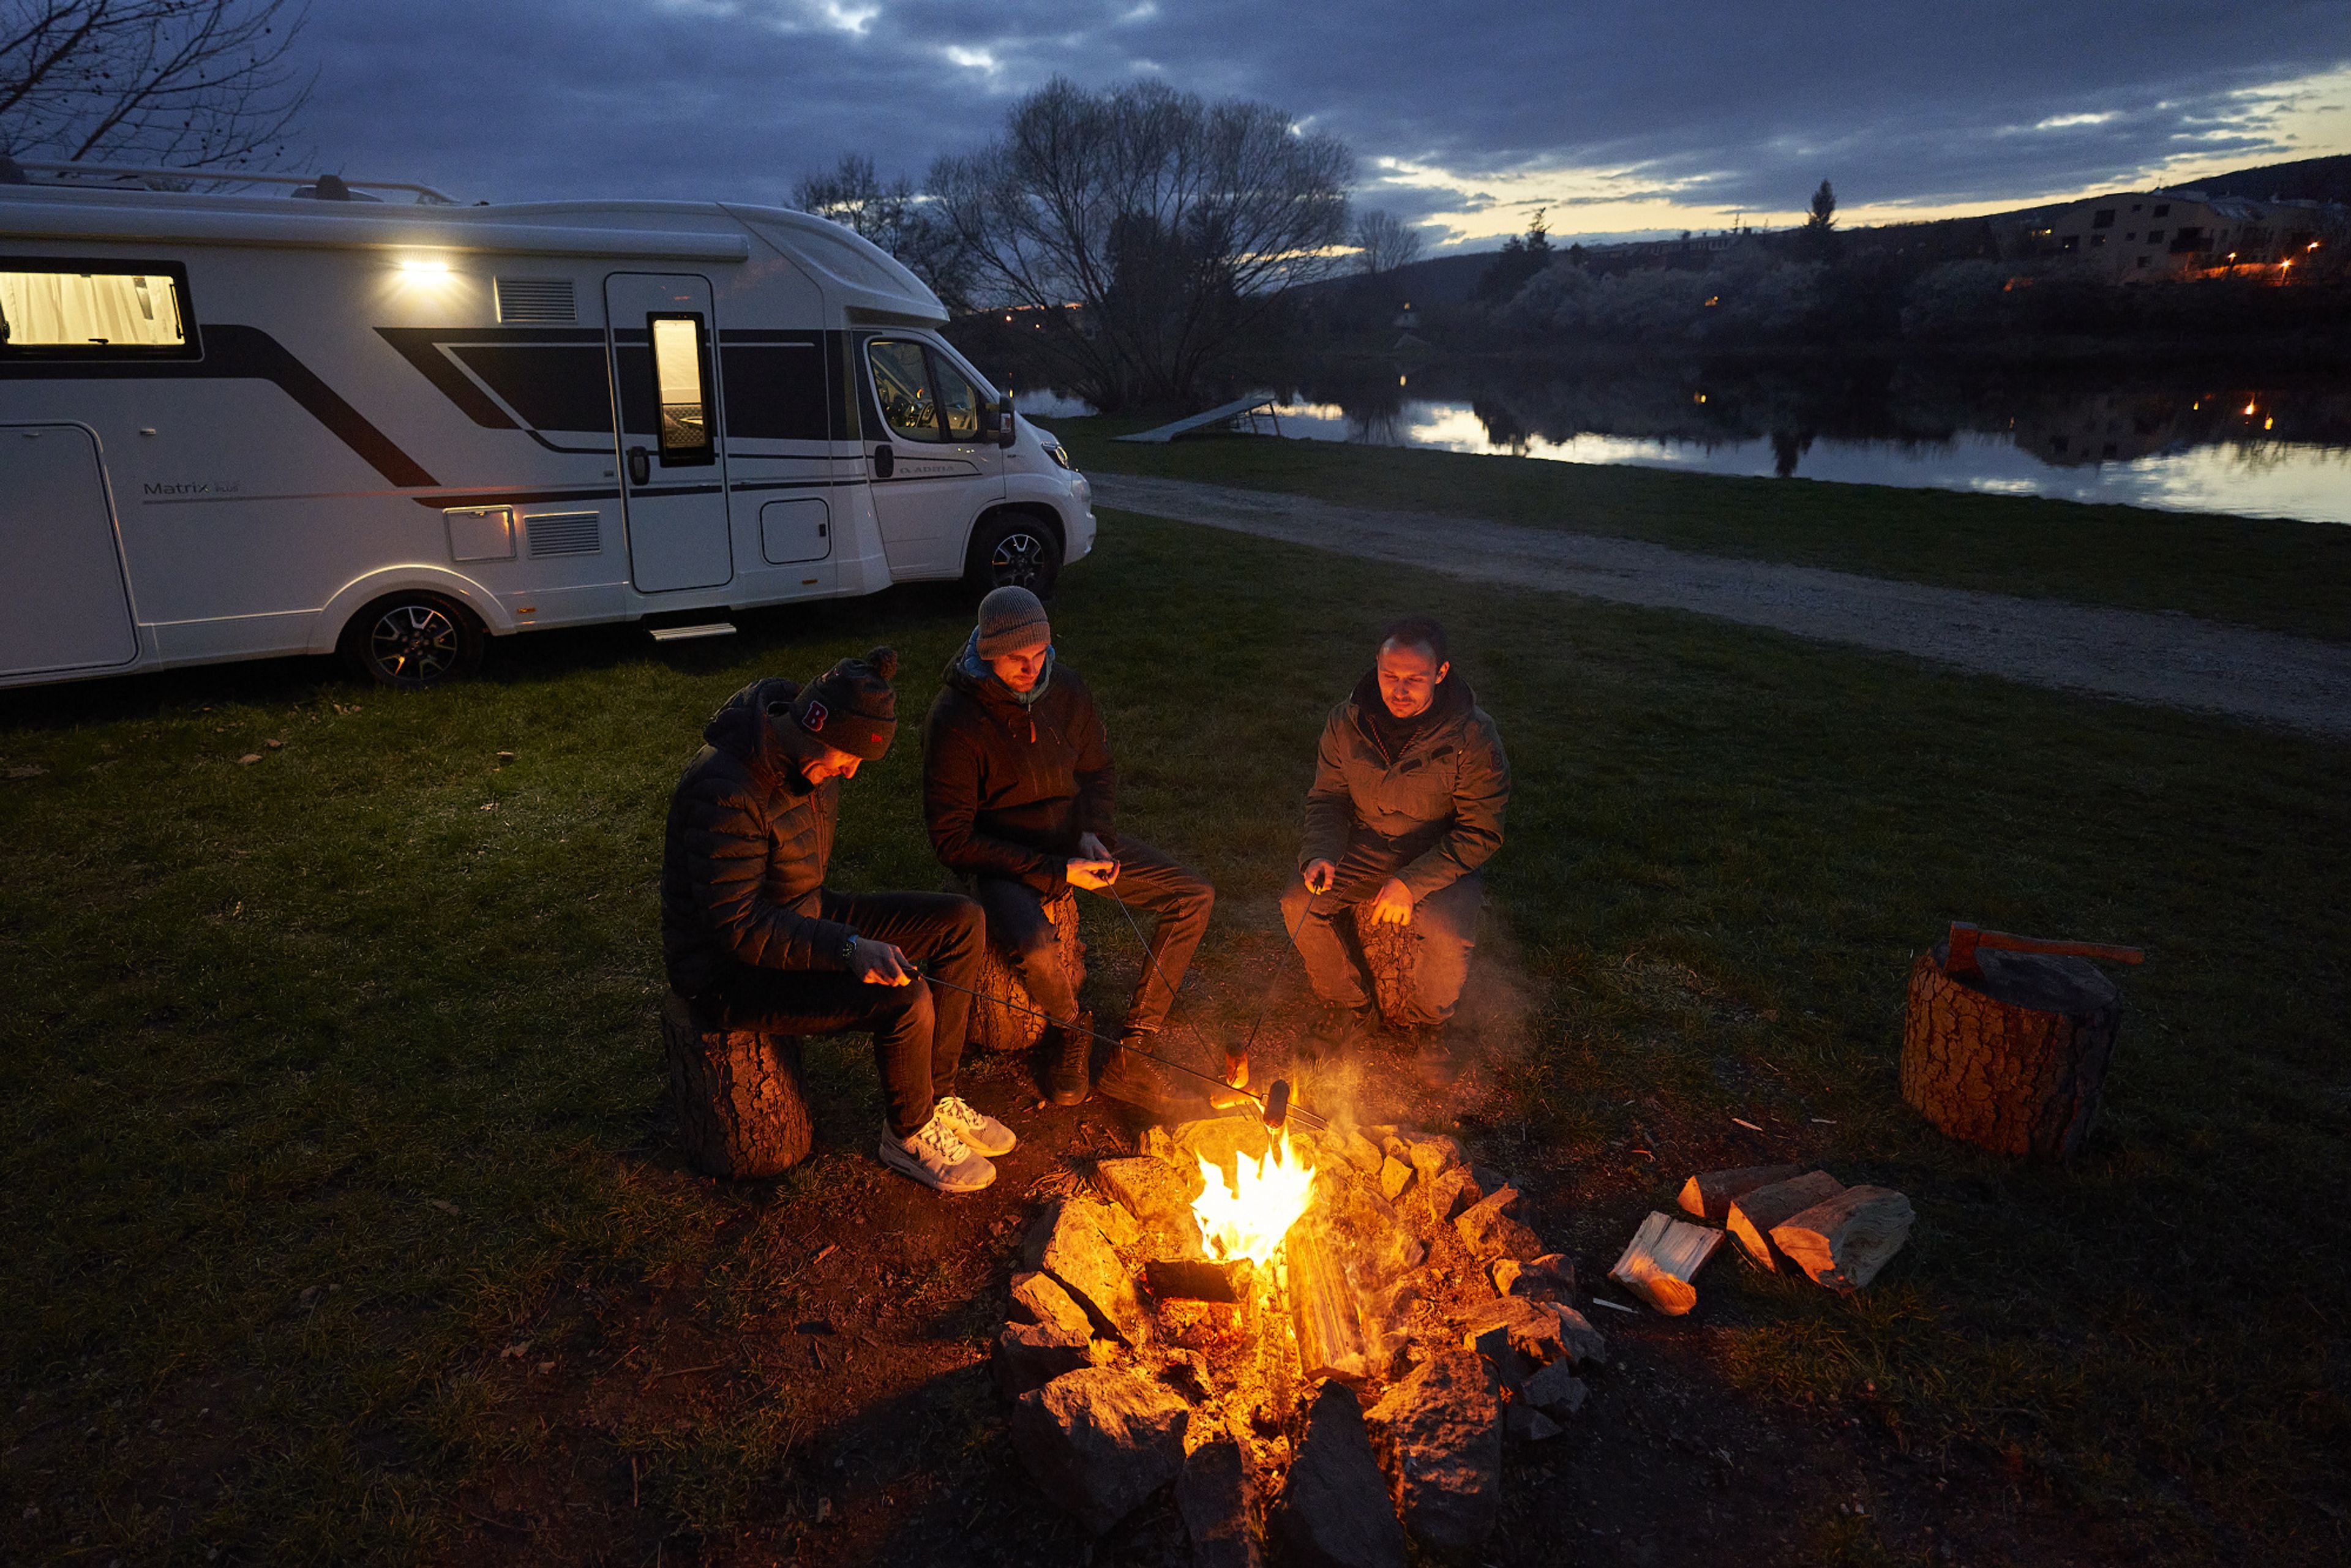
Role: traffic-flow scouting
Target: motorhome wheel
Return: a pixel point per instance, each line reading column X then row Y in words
column 412, row 640
column 1015, row 551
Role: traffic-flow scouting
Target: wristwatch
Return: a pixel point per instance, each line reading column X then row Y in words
column 849, row 950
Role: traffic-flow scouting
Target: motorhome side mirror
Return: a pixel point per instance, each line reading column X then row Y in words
column 886, row 462
column 1007, row 425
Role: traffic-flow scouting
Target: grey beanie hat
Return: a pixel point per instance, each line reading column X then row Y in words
column 1011, row 619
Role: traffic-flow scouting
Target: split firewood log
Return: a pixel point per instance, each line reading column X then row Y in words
column 1709, row 1194
column 1753, row 1215
column 1663, row 1259
column 742, row 1110
column 1843, row 1242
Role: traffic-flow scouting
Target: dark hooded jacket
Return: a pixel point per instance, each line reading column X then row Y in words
column 1437, row 803
column 1007, row 788
column 744, row 855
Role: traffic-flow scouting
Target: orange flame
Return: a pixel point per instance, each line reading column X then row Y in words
column 1249, row 1217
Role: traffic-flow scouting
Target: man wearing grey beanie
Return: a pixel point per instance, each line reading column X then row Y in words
column 1020, row 793
column 754, row 939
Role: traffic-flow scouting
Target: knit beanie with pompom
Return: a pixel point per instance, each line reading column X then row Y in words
column 850, row 706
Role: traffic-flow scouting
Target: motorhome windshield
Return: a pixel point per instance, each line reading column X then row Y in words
column 46, row 309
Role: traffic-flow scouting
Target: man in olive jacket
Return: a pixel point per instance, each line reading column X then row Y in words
column 1410, row 784
column 1020, row 793
column 753, row 938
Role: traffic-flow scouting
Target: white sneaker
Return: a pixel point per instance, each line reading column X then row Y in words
column 984, row 1133
column 938, row 1158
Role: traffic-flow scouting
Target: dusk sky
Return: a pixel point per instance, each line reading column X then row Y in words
column 1621, row 118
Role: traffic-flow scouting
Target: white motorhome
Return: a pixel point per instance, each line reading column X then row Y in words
column 234, row 426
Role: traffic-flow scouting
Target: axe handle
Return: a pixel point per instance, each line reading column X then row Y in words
column 2004, row 942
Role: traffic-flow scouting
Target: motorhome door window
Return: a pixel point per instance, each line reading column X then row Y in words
column 47, row 308
column 680, row 355
column 958, row 402
column 901, row 380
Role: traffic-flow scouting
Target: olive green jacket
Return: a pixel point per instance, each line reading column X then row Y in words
column 1438, row 806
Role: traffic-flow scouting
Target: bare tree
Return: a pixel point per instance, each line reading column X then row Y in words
column 190, row 84
column 1384, row 243
column 1150, row 231
column 896, row 218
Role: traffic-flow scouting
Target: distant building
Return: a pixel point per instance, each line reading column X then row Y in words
column 2148, row 234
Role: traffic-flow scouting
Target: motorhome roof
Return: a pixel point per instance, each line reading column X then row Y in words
column 869, row 277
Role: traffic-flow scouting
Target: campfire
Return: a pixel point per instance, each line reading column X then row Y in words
column 1249, row 1217
column 1326, row 1332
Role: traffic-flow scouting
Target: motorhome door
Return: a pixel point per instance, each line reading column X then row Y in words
column 673, row 463
column 932, row 473
column 67, row 608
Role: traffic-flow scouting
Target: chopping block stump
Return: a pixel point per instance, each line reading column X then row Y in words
column 1392, row 957
column 1000, row 1018
column 742, row 1109
column 2014, row 1057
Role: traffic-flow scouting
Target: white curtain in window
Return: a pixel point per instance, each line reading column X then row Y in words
column 70, row 309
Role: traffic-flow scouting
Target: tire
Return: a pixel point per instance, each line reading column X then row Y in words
column 411, row 641
column 1014, row 550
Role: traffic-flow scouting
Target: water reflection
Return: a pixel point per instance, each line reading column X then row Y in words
column 2192, row 439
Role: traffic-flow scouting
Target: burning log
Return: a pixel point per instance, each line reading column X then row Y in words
column 741, row 1108
column 1331, row 1338
column 1663, row 1259
column 1842, row 1243
column 2008, row 1039
column 1753, row 1215
column 1711, row 1194
column 1184, row 1279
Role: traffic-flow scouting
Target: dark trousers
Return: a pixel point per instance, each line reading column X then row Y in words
column 1148, row 880
column 1445, row 923
column 918, row 1030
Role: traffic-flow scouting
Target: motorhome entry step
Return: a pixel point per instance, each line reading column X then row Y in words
column 686, row 634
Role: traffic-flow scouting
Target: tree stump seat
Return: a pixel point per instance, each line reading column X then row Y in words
column 1392, row 957
column 2013, row 1056
column 742, row 1106
column 1003, row 1016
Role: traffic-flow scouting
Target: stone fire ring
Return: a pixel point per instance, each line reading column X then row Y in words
column 1355, row 1390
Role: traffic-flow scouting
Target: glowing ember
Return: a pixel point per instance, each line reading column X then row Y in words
column 1249, row 1217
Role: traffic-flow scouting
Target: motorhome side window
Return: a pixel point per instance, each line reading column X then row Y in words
column 923, row 398
column 679, row 385
column 50, row 309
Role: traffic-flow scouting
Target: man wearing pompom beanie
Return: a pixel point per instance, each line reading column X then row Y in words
column 754, row 939
column 1018, row 791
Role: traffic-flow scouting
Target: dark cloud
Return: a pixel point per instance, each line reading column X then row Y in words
column 1725, row 104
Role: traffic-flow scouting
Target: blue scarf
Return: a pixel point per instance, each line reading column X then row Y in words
column 972, row 664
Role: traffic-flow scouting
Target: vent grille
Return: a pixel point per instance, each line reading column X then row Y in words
column 536, row 299
column 565, row 533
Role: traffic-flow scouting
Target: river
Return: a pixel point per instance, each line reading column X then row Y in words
column 2229, row 439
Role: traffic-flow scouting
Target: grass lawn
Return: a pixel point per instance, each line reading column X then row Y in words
column 2278, row 575
column 323, row 1074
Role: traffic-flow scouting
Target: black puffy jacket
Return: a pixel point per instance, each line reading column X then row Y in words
column 1007, row 789
column 744, row 854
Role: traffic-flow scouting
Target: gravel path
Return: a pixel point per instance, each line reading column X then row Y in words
column 2169, row 660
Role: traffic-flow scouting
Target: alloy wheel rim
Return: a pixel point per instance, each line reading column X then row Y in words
column 1017, row 561
column 413, row 644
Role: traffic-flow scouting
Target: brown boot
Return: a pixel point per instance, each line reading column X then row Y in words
column 1161, row 1092
column 1069, row 1052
